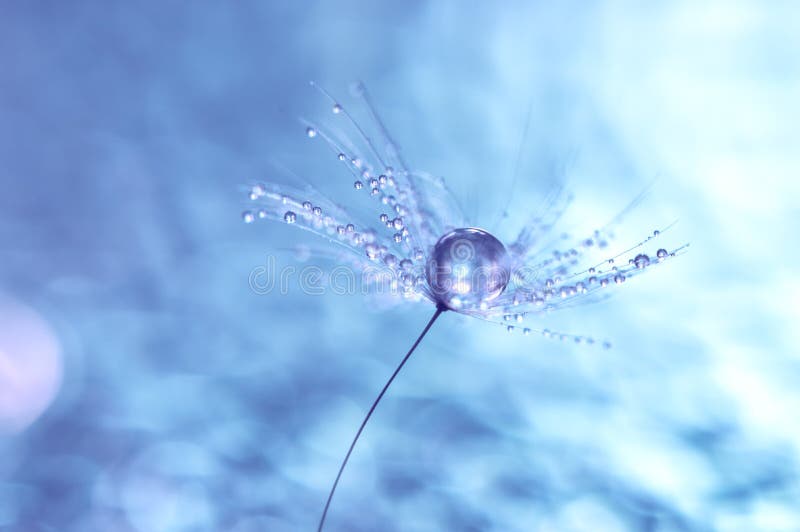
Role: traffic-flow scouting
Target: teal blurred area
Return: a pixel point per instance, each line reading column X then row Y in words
column 145, row 387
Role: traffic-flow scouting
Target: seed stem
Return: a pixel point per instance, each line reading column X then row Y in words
column 439, row 310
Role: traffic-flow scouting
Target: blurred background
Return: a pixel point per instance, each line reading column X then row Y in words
column 144, row 387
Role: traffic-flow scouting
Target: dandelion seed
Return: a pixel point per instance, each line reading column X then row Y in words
column 429, row 252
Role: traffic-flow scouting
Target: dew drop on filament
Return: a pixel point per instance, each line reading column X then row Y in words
column 311, row 132
column 290, row 217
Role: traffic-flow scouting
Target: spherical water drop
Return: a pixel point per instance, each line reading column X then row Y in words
column 358, row 185
column 470, row 264
column 384, row 218
column 247, row 217
column 662, row 253
column 317, row 211
column 289, row 217
column 390, row 260
column 374, row 192
column 641, row 261
column 398, row 223
column 510, row 328
column 311, row 132
column 619, row 278
column 262, row 213
column 307, row 205
column 398, row 237
column 372, row 251
column 526, row 331
column 406, row 265
column 349, row 228
column 340, row 229
column 337, row 109
column 341, row 156
column 656, row 232
column 258, row 190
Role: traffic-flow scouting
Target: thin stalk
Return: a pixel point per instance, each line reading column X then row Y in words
column 439, row 310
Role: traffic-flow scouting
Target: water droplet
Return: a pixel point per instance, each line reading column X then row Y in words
column 398, row 223
column 390, row 260
column 372, row 251
column 262, row 213
column 384, row 218
column 611, row 261
column 289, row 217
column 382, row 179
column 311, row 132
column 307, row 205
column 592, row 279
column 418, row 254
column 337, row 108
column 641, row 261
column 662, row 253
column 549, row 283
column 510, row 328
column 358, row 185
column 317, row 211
column 526, row 331
column 619, row 278
column 656, row 232
column 247, row 217
column 406, row 265
column 349, row 228
column 398, row 237
column 592, row 270
column 374, row 192
column 519, row 318
column 341, row 156
column 340, row 229
column 604, row 282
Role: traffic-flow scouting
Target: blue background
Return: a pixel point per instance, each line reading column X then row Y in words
column 183, row 401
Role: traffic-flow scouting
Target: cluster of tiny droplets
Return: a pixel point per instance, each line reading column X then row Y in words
column 410, row 221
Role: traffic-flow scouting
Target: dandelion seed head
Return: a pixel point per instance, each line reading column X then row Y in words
column 425, row 248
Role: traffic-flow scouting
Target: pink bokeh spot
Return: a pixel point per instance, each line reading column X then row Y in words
column 30, row 366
